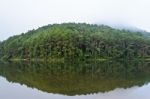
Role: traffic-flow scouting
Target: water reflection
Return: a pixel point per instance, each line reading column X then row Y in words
column 77, row 78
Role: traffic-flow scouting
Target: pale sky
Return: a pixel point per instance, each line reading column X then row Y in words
column 17, row 16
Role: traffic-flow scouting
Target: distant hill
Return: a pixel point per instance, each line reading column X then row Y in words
column 128, row 27
column 72, row 40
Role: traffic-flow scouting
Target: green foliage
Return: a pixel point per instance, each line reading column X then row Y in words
column 5, row 57
column 70, row 40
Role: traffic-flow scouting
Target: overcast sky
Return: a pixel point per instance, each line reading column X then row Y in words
column 17, row 16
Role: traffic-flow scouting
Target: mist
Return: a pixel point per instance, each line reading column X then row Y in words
column 19, row 16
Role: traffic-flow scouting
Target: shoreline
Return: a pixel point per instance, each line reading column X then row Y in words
column 76, row 59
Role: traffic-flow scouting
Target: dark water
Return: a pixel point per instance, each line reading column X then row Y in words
column 75, row 80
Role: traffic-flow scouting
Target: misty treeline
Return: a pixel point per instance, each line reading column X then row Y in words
column 72, row 40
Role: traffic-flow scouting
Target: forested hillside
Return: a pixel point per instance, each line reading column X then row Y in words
column 71, row 40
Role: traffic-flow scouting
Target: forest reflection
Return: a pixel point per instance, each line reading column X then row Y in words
column 76, row 77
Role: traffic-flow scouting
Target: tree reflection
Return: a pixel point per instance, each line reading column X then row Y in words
column 72, row 78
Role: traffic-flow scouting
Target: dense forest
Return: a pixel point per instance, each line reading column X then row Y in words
column 76, row 40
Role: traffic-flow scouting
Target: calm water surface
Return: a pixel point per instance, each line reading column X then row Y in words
column 75, row 80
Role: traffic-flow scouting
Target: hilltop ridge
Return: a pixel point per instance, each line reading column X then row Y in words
column 76, row 40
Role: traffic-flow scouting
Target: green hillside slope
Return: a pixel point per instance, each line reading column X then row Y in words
column 71, row 40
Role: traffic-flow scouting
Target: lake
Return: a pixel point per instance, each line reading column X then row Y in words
column 75, row 80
